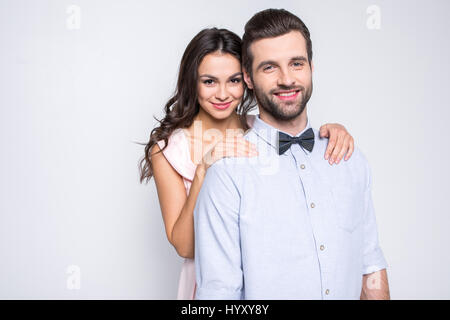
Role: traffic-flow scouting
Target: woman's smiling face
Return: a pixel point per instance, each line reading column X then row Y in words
column 220, row 85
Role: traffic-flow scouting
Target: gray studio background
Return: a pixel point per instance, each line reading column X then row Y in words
column 81, row 80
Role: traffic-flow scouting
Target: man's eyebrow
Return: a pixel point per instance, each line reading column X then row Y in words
column 296, row 58
column 215, row 78
column 301, row 58
column 263, row 63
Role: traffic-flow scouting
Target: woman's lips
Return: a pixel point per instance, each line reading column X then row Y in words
column 287, row 95
column 221, row 106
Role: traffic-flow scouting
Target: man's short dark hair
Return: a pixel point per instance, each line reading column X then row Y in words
column 271, row 23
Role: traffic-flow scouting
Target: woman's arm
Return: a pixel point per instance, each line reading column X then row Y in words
column 183, row 229
column 177, row 208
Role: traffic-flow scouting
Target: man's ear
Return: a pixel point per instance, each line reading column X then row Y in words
column 247, row 79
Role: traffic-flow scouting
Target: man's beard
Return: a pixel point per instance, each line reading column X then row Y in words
column 276, row 109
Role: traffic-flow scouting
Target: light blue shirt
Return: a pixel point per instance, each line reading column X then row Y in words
column 285, row 227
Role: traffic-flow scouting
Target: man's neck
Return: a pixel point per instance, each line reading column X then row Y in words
column 293, row 127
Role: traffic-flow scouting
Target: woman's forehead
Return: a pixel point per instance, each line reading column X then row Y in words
column 219, row 64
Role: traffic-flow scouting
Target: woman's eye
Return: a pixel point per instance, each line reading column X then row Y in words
column 209, row 81
column 236, row 80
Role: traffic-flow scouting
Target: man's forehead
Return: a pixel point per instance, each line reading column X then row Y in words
column 285, row 46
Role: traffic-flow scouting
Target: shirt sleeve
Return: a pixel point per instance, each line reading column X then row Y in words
column 217, row 242
column 373, row 258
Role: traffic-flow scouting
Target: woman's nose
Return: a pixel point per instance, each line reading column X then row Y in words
column 222, row 93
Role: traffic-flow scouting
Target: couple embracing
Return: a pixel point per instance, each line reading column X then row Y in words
column 261, row 206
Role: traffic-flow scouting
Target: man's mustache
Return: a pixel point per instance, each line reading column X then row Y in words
column 287, row 88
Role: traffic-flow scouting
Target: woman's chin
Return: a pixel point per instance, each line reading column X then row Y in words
column 221, row 114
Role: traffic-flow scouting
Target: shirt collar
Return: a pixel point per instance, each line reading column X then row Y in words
column 270, row 134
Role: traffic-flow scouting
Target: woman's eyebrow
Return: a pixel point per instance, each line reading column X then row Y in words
column 208, row 76
column 215, row 78
column 235, row 75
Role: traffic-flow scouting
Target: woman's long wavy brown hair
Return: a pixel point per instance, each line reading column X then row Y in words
column 183, row 106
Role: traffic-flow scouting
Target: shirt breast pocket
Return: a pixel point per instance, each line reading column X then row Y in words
column 349, row 205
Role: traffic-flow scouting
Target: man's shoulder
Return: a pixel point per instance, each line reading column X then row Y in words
column 356, row 166
column 228, row 167
column 235, row 168
column 321, row 144
column 251, row 135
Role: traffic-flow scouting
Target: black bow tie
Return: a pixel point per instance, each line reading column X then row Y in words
column 306, row 140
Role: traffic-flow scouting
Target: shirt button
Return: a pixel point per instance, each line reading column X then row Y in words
column 312, row 205
column 302, row 166
column 322, row 247
column 327, row 292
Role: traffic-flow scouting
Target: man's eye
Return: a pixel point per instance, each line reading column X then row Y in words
column 268, row 68
column 298, row 64
column 209, row 81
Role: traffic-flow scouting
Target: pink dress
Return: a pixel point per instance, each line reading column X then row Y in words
column 179, row 156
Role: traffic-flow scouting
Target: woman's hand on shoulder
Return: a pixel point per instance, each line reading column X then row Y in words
column 234, row 146
column 340, row 142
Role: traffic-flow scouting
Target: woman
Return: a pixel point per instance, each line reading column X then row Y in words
column 210, row 98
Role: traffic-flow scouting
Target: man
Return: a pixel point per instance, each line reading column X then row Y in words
column 289, row 225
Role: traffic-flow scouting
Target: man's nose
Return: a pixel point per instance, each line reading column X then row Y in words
column 286, row 78
column 222, row 93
